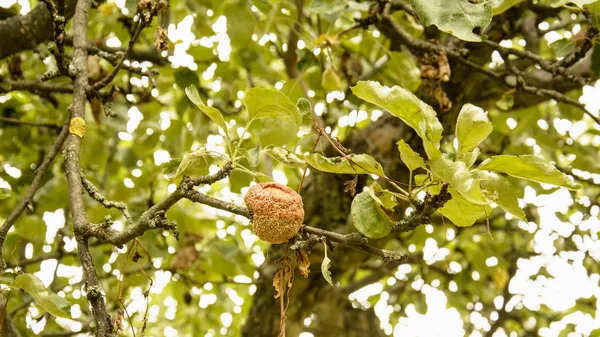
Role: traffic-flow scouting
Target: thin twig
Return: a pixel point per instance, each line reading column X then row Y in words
column 95, row 194
column 35, row 184
column 106, row 80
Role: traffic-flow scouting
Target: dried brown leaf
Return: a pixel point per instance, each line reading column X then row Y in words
column 303, row 263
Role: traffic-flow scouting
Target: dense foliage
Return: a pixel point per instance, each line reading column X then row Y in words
column 447, row 155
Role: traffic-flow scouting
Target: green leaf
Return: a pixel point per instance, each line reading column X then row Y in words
column 529, row 167
column 325, row 265
column 469, row 158
column 292, row 89
column 458, row 176
column 286, row 157
column 274, row 131
column 402, row 69
column 5, row 189
column 472, row 127
column 169, row 169
column 368, row 217
column 563, row 47
column 331, row 80
column 456, row 17
column 262, row 102
column 501, row 191
column 306, row 110
column 368, row 165
column 383, row 197
column 7, row 278
column 185, row 77
column 213, row 113
column 461, row 211
column 582, row 3
column 326, row 6
column 409, row 157
column 253, row 155
column 408, row 107
column 506, row 102
column 501, row 6
column 49, row 301
column 553, row 3
column 197, row 160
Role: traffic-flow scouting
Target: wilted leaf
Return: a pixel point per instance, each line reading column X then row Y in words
column 185, row 257
column 501, row 191
column 46, row 299
column 213, row 113
column 368, row 217
column 303, row 263
column 458, row 176
column 472, row 127
column 286, row 157
column 529, row 167
column 456, row 17
column 408, row 107
column 409, row 157
column 368, row 165
column 283, row 278
column 325, row 266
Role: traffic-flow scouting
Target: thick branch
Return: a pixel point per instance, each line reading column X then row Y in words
column 20, row 33
column 72, row 153
column 35, row 87
column 14, row 121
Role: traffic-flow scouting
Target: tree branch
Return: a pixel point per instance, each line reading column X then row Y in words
column 37, row 87
column 8, row 120
column 19, row 33
column 35, row 184
column 423, row 211
column 95, row 194
column 72, row 154
column 155, row 217
column 106, row 80
column 394, row 30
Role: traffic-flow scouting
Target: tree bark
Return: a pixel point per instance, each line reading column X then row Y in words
column 20, row 33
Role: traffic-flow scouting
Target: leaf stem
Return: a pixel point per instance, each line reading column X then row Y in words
column 345, row 156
